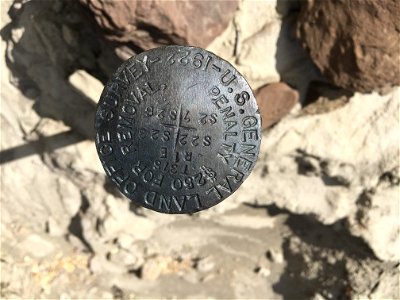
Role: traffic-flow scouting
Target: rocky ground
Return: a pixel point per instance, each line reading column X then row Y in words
column 317, row 219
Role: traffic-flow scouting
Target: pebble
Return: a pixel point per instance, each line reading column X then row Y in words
column 154, row 267
column 86, row 84
column 274, row 256
column 275, row 101
column 125, row 241
column 205, row 264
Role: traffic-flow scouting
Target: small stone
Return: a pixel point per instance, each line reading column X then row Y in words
column 274, row 256
column 53, row 227
column 275, row 101
column 154, row 267
column 205, row 265
column 262, row 271
column 124, row 52
column 125, row 241
column 86, row 84
column 318, row 296
column 17, row 33
column 132, row 260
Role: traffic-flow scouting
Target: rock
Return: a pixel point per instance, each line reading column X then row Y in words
column 261, row 45
column 344, row 152
column 162, row 264
column 124, row 52
column 119, row 219
column 262, row 271
column 245, row 221
column 125, row 241
column 205, row 265
column 41, row 41
column 149, row 24
column 132, row 259
column 98, row 264
column 353, row 43
column 275, row 256
column 275, row 101
column 37, row 246
column 362, row 277
column 70, row 196
column 86, row 84
column 326, row 264
column 388, row 285
column 53, row 228
column 154, row 267
column 378, row 213
column 330, row 161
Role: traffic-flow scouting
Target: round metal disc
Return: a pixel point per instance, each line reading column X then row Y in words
column 178, row 129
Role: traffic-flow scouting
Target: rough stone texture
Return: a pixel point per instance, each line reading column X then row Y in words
column 354, row 43
column 149, row 24
column 49, row 40
column 270, row 240
column 261, row 45
column 275, row 101
column 312, row 255
column 338, row 165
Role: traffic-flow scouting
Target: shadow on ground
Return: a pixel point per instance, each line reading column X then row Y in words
column 46, row 42
column 318, row 257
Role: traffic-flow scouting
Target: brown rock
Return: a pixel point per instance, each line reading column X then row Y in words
column 275, row 101
column 149, row 24
column 354, row 43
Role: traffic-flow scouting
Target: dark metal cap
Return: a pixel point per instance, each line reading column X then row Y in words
column 178, row 129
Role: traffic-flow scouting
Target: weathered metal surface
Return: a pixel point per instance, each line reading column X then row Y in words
column 178, row 129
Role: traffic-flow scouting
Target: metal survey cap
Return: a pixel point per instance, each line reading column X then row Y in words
column 177, row 129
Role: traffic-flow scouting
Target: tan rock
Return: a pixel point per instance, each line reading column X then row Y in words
column 154, row 267
column 322, row 164
column 88, row 85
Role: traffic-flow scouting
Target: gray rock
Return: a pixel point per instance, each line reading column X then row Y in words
column 329, row 161
column 154, row 267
